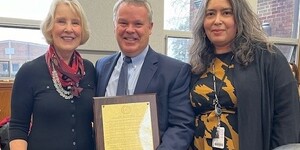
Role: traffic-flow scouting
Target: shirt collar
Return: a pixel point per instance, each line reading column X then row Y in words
column 139, row 58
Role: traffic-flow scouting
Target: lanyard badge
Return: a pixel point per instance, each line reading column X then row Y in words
column 218, row 140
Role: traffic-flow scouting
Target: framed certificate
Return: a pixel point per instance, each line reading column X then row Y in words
column 126, row 122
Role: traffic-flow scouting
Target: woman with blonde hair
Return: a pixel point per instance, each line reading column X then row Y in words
column 51, row 107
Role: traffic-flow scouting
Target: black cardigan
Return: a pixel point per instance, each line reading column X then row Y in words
column 58, row 124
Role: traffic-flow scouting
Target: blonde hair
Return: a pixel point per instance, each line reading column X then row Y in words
column 47, row 24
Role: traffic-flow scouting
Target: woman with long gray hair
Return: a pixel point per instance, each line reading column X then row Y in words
column 242, row 90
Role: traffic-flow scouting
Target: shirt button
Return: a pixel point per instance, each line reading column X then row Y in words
column 73, row 115
column 72, row 101
column 73, row 130
column 74, row 143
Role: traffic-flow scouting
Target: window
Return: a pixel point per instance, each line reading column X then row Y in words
column 177, row 15
column 20, row 38
column 15, row 67
column 178, row 48
column 289, row 51
column 21, row 34
column 177, row 25
column 20, row 46
column 4, row 69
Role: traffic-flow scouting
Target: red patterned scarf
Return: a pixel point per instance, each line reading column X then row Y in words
column 69, row 75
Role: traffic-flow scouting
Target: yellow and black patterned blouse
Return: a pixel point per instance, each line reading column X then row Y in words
column 202, row 95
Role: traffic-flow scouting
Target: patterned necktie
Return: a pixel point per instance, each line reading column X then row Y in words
column 123, row 78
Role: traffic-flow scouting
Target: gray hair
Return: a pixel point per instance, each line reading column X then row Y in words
column 133, row 2
column 249, row 36
column 47, row 24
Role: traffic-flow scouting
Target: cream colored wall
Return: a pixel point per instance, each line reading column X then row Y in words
column 99, row 13
column 253, row 3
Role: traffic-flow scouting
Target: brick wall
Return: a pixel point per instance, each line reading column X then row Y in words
column 279, row 14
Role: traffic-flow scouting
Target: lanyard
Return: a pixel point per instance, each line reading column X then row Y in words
column 218, row 107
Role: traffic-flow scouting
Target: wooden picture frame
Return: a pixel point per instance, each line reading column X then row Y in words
column 126, row 122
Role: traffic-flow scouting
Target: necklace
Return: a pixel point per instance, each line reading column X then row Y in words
column 62, row 92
